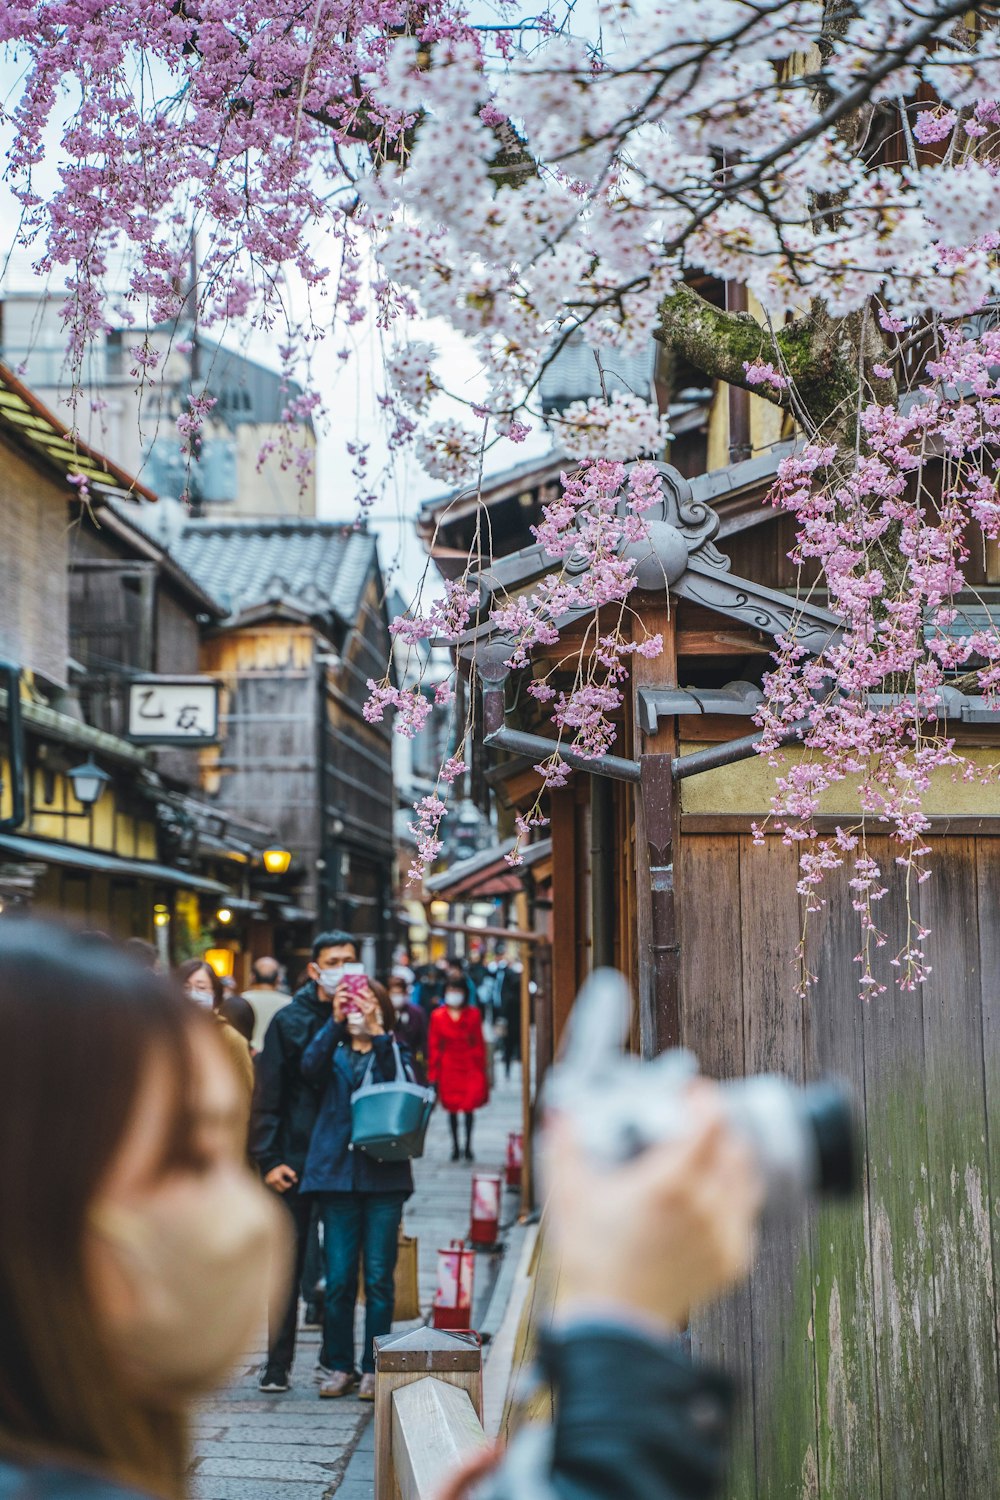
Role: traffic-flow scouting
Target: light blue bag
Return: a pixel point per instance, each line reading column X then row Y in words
column 389, row 1120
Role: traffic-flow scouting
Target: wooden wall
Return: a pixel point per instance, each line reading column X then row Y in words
column 34, row 610
column 866, row 1342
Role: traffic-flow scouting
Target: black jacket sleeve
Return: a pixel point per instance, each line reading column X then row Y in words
column 268, row 1099
column 634, row 1420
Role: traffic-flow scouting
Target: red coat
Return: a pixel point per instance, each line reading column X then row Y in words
column 456, row 1058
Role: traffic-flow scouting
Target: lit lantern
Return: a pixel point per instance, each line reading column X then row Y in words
column 515, row 1158
column 276, row 860
column 220, row 960
column 486, row 1191
column 453, row 1298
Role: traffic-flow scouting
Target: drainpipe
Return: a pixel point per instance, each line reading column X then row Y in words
column 729, row 753
column 493, row 674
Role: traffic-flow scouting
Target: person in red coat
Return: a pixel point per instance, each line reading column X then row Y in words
column 456, row 1058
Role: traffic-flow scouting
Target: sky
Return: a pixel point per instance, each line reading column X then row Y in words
column 349, row 390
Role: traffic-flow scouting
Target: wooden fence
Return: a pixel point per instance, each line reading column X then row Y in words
column 866, row 1341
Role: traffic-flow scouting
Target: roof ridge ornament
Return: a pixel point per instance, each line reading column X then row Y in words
column 683, row 528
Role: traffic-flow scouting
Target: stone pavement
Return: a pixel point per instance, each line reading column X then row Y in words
column 249, row 1446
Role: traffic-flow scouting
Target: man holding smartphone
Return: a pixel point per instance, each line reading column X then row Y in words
column 285, row 1105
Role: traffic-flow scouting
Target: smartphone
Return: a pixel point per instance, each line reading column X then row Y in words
column 355, row 979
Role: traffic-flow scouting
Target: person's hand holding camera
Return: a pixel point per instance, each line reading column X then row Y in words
column 649, row 1240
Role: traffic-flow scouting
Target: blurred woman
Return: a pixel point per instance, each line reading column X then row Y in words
column 202, row 985
column 456, row 1058
column 360, row 1199
column 409, row 1023
column 136, row 1249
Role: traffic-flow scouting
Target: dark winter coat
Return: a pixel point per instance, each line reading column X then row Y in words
column 285, row 1104
column 634, row 1420
column 331, row 1166
column 411, row 1029
column 456, row 1058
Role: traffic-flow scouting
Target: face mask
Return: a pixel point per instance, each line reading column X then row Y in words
column 201, row 1266
column 454, row 998
column 200, row 996
column 331, row 979
column 355, row 1023
column 398, row 999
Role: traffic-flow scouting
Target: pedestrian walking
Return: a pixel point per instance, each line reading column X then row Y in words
column 507, row 1008
column 361, row 1199
column 456, row 1059
column 265, row 997
column 409, row 1024
column 202, row 985
column 285, row 1106
column 135, row 1246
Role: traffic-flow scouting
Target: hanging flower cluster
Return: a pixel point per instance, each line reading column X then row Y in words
column 892, row 536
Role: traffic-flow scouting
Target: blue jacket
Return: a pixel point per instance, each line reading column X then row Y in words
column 42, row 1481
column 331, row 1167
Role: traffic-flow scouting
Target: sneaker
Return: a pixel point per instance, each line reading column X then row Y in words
column 337, row 1383
column 273, row 1379
column 312, row 1317
column 366, row 1390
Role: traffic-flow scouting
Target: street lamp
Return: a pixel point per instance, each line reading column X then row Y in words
column 276, row 860
column 224, row 915
column 88, row 782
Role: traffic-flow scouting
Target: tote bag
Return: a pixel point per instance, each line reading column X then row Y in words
column 389, row 1120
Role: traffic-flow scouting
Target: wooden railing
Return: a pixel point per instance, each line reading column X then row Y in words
column 428, row 1410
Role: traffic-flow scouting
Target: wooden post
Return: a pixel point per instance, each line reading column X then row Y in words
column 403, row 1358
column 564, row 911
column 527, row 1186
column 656, row 829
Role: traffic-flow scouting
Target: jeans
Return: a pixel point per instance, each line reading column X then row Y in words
column 283, row 1312
column 357, row 1225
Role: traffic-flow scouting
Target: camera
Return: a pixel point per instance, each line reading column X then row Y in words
column 804, row 1139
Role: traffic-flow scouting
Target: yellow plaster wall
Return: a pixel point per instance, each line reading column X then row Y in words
column 747, row 788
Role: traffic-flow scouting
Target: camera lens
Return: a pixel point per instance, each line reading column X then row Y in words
column 827, row 1109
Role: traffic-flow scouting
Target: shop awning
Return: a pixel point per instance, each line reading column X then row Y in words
column 49, row 853
column 486, row 874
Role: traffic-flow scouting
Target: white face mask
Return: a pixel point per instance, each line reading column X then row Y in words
column 355, row 1023
column 454, row 998
column 331, row 979
column 202, row 1266
column 398, row 999
column 201, row 996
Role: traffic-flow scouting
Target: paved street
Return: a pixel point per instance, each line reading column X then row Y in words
column 295, row 1447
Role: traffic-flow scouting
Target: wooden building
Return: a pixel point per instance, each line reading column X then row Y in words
column 88, row 600
column 305, row 627
column 866, row 1341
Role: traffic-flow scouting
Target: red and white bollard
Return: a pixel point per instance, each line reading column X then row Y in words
column 453, row 1298
column 515, row 1158
column 486, row 1192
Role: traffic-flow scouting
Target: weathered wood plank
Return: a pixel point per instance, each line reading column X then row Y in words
column 781, row 1283
column 988, row 891
column 964, row 1283
column 708, row 885
column 434, row 1427
column 843, row 1316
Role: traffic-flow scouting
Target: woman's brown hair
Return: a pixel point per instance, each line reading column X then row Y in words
column 385, row 1005
column 79, row 1025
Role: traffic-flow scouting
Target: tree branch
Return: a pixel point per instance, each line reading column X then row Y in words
column 719, row 343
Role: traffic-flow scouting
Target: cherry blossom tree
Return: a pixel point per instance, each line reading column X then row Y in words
column 525, row 176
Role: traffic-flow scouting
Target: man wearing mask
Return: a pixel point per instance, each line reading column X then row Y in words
column 285, row 1106
column 411, row 1023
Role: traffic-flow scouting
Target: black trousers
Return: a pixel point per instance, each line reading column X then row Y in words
column 282, row 1315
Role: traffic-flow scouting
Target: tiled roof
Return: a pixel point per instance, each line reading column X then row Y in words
column 30, row 424
column 319, row 567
